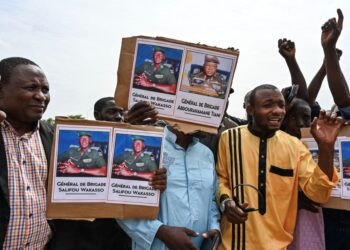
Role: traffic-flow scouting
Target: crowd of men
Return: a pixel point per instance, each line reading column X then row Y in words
column 246, row 192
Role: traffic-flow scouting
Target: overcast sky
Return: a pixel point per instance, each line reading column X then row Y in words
column 77, row 42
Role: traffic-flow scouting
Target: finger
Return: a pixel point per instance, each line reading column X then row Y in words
column 190, row 232
column 292, row 45
column 279, row 43
column 160, row 171
column 333, row 117
column 2, row 116
column 322, row 114
column 340, row 19
column 339, row 120
column 159, row 178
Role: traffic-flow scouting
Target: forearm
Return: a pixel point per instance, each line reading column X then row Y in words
column 336, row 80
column 100, row 171
column 315, row 84
column 297, row 78
column 169, row 88
column 325, row 159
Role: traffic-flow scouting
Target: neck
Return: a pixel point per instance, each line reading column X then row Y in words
column 259, row 132
column 21, row 127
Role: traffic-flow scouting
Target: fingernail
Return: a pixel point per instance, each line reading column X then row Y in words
column 205, row 235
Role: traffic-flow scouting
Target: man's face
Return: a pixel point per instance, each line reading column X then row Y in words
column 268, row 110
column 138, row 146
column 158, row 57
column 25, row 96
column 111, row 112
column 297, row 118
column 210, row 68
column 84, row 141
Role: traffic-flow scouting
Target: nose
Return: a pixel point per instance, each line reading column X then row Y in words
column 278, row 110
column 40, row 95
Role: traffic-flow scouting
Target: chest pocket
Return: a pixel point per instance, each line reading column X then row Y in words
column 281, row 180
column 206, row 174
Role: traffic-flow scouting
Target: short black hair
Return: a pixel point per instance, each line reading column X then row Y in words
column 8, row 64
column 101, row 103
column 296, row 104
column 260, row 87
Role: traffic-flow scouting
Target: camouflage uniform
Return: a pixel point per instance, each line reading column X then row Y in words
column 144, row 162
column 92, row 158
column 163, row 74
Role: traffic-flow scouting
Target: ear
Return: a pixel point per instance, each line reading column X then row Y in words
column 250, row 109
column 97, row 115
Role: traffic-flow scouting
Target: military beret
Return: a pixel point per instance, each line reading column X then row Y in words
column 82, row 133
column 136, row 137
column 212, row 59
column 158, row 49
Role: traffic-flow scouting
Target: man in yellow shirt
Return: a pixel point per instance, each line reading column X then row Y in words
column 277, row 164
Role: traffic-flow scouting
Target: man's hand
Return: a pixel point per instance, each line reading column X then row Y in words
column 325, row 128
column 159, row 179
column 2, row 116
column 346, row 171
column 141, row 113
column 306, row 203
column 234, row 214
column 122, row 170
column 143, row 80
column 331, row 31
column 68, row 167
column 177, row 238
column 286, row 48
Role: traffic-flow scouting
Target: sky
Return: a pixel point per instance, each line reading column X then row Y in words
column 77, row 42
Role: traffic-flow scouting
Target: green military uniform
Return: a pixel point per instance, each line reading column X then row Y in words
column 216, row 82
column 163, row 74
column 144, row 162
column 92, row 158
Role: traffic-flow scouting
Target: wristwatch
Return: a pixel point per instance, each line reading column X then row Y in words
column 222, row 204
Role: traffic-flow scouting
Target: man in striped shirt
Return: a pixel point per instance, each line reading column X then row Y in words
column 25, row 145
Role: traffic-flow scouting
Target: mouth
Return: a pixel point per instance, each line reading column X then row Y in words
column 38, row 108
column 275, row 122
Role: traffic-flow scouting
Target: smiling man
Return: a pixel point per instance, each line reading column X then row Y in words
column 277, row 164
column 25, row 145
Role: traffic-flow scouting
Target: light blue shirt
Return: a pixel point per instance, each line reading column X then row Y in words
column 189, row 199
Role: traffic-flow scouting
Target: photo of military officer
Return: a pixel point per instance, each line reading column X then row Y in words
column 83, row 159
column 157, row 68
column 206, row 74
column 139, row 161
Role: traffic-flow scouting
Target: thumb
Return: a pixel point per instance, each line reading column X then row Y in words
column 2, row 116
column 190, row 232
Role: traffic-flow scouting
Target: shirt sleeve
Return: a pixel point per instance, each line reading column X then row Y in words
column 214, row 214
column 222, row 167
column 314, row 183
column 142, row 232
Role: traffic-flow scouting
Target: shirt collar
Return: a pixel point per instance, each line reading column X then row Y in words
column 262, row 135
column 6, row 125
column 171, row 137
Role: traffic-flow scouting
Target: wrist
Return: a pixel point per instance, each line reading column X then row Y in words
column 162, row 232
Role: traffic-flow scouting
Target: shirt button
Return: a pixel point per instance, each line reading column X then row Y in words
column 30, row 215
column 262, row 171
column 263, row 156
column 262, row 140
column 24, row 162
column 261, row 184
column 28, row 188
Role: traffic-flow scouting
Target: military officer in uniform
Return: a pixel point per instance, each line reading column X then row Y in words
column 209, row 79
column 135, row 162
column 83, row 159
column 156, row 74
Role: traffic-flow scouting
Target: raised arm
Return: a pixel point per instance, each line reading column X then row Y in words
column 315, row 85
column 331, row 31
column 287, row 51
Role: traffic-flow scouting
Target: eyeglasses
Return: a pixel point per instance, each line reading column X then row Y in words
column 248, row 209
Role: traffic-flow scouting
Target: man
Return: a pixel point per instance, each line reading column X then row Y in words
column 209, row 79
column 25, row 146
column 136, row 162
column 277, row 164
column 82, row 160
column 156, row 75
column 188, row 212
column 106, row 110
